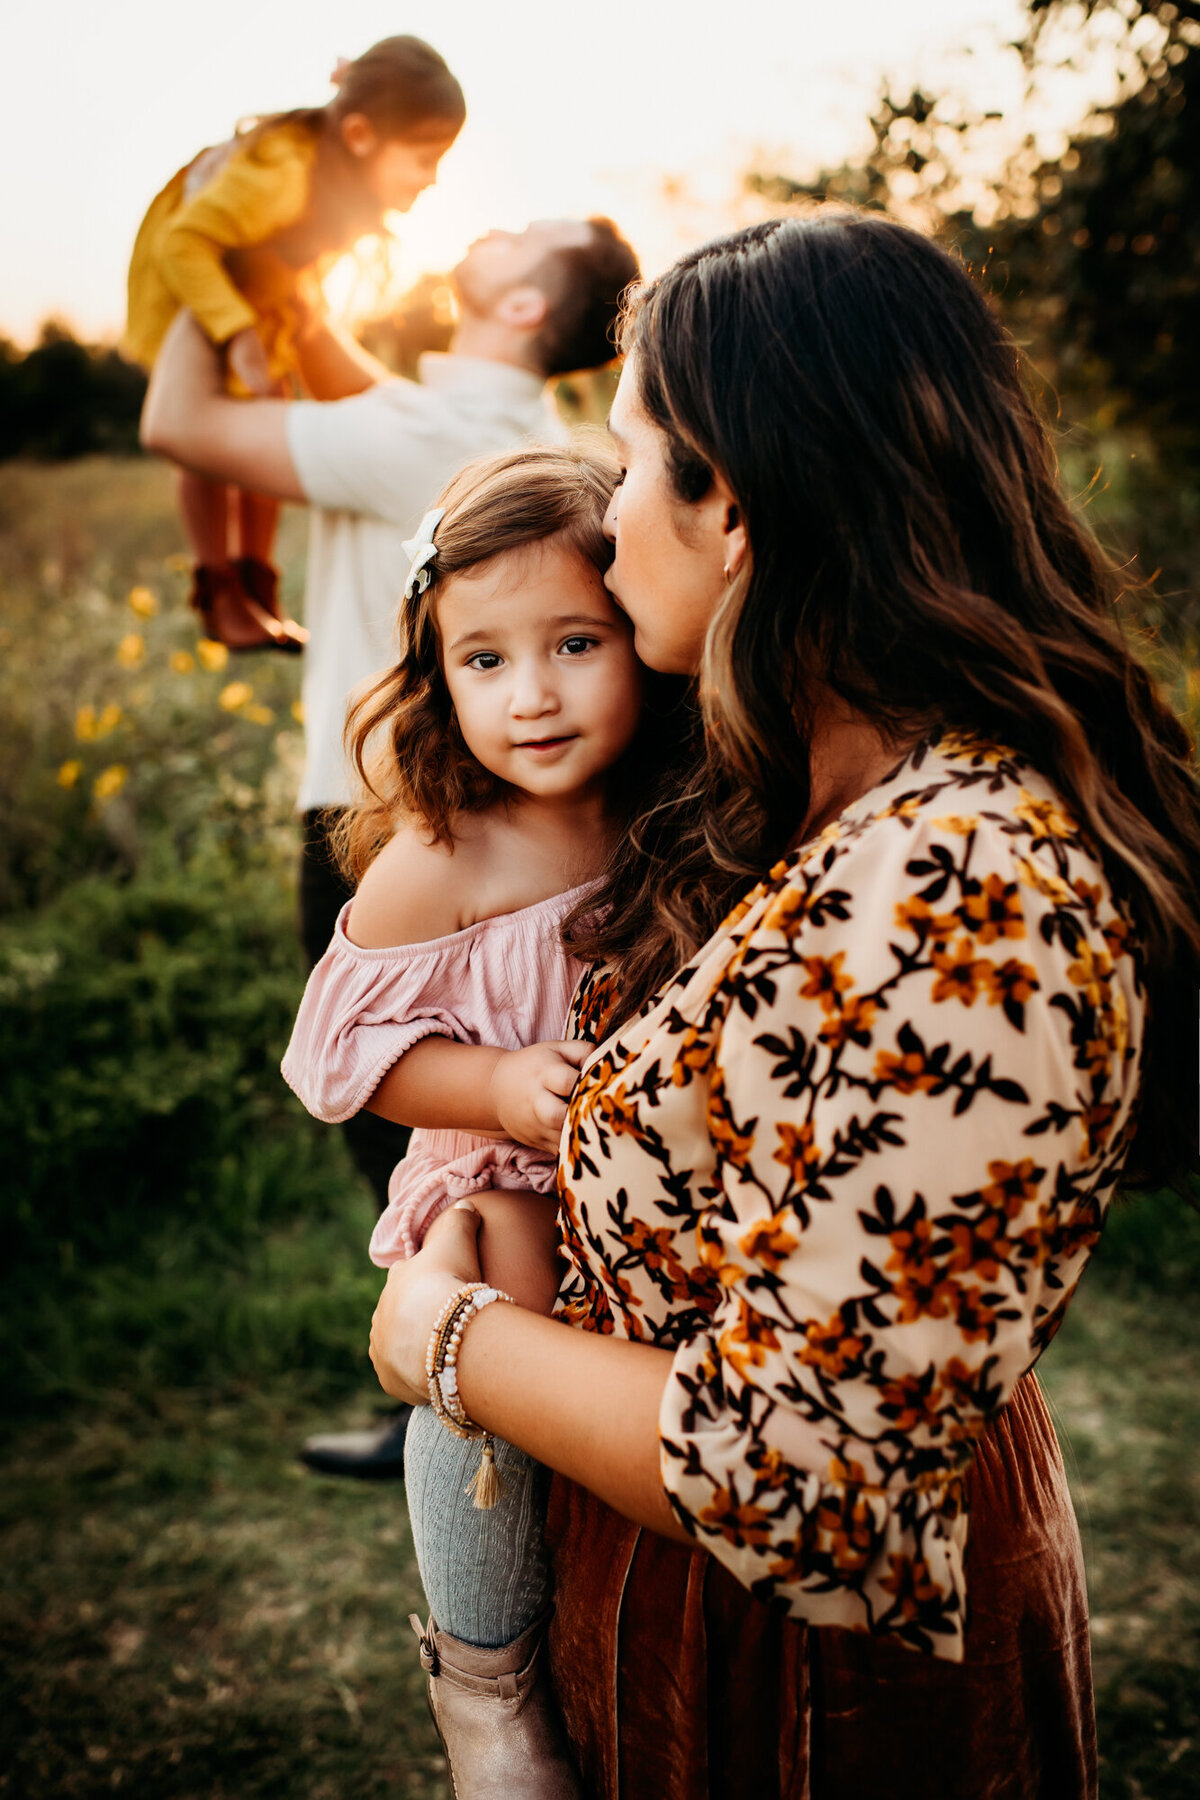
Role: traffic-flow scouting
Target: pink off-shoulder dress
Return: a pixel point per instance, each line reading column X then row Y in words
column 505, row 981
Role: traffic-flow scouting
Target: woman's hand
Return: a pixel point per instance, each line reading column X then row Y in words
column 247, row 358
column 529, row 1090
column 415, row 1292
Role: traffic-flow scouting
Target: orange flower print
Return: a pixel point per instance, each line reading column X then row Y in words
column 741, row 1524
column 847, row 1527
column 907, row 1071
column 1097, row 1123
column 979, row 1245
column 693, row 1056
column 915, row 914
column 994, row 911
column 974, row 1316
column 907, row 1405
column 655, row 1249
column 851, row 1024
column 911, row 1584
column 786, row 912
column 1116, row 936
column 746, row 1342
column 1043, row 881
column 1012, row 1186
column 1047, row 818
column 770, row 1465
column 731, row 1145
column 958, row 975
column 911, row 1246
column 1092, row 971
column 1010, row 983
column 924, row 1293
column 961, row 825
column 1091, row 893
column 833, row 1347
column 768, row 1241
column 826, row 982
column 618, row 1112
column 713, row 1258
column 797, row 1152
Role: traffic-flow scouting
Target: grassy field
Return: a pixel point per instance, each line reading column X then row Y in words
column 184, row 1612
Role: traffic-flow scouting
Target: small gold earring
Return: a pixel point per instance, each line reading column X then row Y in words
column 728, row 574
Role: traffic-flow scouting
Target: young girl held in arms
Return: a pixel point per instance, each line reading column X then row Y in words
column 496, row 754
column 237, row 237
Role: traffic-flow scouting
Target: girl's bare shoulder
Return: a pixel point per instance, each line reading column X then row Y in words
column 413, row 891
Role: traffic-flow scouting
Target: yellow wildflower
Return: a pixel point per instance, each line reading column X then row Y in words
column 183, row 662
column 110, row 781
column 143, row 602
column 259, row 715
column 298, row 711
column 211, row 655
column 85, row 724
column 109, row 719
column 131, row 650
column 236, row 694
column 69, row 772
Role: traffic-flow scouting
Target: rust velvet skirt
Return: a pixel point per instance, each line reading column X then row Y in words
column 677, row 1685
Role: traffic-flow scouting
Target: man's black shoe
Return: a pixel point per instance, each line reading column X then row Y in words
column 375, row 1455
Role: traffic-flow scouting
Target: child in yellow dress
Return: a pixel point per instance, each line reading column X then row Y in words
column 236, row 236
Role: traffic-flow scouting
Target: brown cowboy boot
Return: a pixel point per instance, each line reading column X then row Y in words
column 496, row 1716
column 261, row 582
column 230, row 616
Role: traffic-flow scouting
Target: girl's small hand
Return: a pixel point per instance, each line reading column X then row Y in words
column 530, row 1088
column 247, row 358
column 415, row 1292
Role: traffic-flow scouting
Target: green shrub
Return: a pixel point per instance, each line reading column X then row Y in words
column 141, row 1025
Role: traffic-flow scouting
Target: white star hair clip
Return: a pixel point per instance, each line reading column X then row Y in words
column 421, row 551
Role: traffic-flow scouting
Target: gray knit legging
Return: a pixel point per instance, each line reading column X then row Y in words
column 485, row 1574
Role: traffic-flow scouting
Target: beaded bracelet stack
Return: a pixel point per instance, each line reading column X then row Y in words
column 441, row 1367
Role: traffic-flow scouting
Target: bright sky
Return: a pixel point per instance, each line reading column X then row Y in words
column 614, row 106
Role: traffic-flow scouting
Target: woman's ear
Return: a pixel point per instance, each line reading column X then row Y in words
column 727, row 525
column 359, row 135
column 736, row 541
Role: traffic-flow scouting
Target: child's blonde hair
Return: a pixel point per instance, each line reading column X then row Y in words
column 402, row 735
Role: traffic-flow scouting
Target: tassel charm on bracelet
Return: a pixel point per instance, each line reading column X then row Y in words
column 441, row 1367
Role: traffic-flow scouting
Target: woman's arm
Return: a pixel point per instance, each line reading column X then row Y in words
column 586, row 1406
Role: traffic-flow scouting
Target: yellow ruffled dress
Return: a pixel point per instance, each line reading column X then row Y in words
column 219, row 239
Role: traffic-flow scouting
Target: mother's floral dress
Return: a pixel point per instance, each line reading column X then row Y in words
column 849, row 1167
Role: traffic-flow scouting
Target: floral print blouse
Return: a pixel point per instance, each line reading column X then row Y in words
column 849, row 1166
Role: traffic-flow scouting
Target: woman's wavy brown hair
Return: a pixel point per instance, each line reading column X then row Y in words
column 911, row 550
column 402, row 735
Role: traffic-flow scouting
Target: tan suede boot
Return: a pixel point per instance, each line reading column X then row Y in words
column 496, row 1717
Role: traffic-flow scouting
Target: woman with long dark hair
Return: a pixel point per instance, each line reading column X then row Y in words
column 895, row 980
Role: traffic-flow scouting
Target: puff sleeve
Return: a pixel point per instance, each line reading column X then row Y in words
column 362, row 1009
column 918, row 1094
